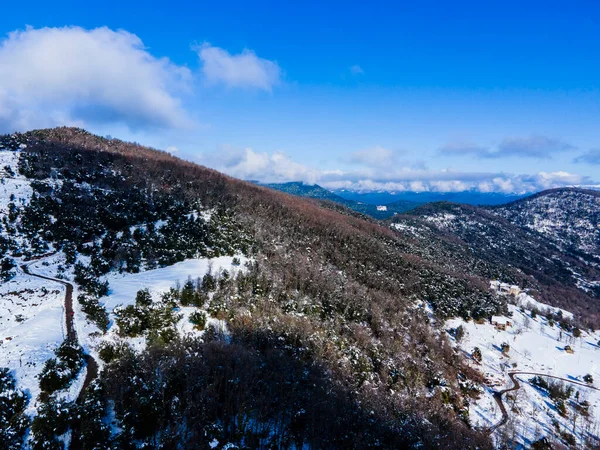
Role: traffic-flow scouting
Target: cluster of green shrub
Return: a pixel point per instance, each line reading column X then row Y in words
column 13, row 420
column 7, row 269
column 59, row 372
column 54, row 418
column 87, row 422
column 91, row 289
column 154, row 319
column 450, row 297
column 93, row 203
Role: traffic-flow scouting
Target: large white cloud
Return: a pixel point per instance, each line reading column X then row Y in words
column 244, row 70
column 70, row 75
column 277, row 167
column 259, row 166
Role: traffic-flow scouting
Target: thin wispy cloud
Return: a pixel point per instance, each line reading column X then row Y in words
column 356, row 70
column 464, row 148
column 534, row 146
column 244, row 70
column 592, row 156
column 374, row 157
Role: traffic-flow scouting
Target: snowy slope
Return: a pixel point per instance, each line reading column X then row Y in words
column 568, row 217
column 32, row 321
column 123, row 287
column 535, row 346
column 13, row 187
column 31, row 327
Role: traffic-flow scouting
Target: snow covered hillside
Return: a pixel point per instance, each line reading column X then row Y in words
column 124, row 288
column 560, row 275
column 568, row 217
column 530, row 340
column 31, row 328
column 32, row 315
column 14, row 188
column 290, row 312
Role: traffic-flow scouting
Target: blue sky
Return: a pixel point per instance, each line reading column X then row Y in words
column 493, row 96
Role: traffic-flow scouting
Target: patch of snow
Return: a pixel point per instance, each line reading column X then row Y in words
column 124, row 287
column 32, row 326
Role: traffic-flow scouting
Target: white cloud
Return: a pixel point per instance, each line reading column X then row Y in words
column 244, row 70
column 553, row 179
column 374, row 157
column 463, row 148
column 70, row 75
column 534, row 146
column 278, row 168
column 251, row 165
column 356, row 70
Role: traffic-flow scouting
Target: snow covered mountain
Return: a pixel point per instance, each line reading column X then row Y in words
column 569, row 217
column 514, row 253
column 147, row 302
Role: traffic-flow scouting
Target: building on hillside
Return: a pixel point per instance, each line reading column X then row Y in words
column 514, row 291
column 500, row 322
column 381, row 208
column 505, row 288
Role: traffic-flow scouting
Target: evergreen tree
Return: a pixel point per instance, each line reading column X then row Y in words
column 13, row 421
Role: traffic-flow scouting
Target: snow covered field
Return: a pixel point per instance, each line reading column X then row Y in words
column 123, row 287
column 32, row 316
column 535, row 346
column 31, row 326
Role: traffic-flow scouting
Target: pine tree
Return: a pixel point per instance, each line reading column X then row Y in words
column 13, row 421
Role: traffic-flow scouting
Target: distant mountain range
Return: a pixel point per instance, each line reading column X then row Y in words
column 467, row 197
column 383, row 205
column 373, row 209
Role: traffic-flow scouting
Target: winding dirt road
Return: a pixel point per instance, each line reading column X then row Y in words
column 91, row 364
column 516, row 385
